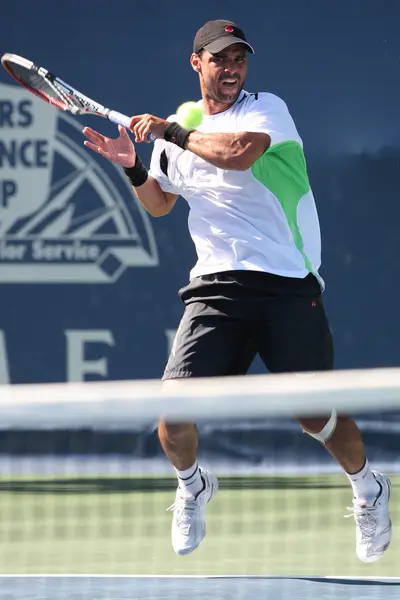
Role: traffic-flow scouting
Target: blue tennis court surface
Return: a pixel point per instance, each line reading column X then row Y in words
column 194, row 588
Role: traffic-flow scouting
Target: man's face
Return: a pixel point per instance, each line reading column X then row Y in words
column 222, row 75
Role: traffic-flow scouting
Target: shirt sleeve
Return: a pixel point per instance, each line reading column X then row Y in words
column 269, row 114
column 159, row 167
column 159, row 164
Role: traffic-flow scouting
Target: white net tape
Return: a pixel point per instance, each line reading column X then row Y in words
column 108, row 404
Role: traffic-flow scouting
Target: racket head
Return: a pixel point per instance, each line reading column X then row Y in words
column 55, row 91
column 35, row 79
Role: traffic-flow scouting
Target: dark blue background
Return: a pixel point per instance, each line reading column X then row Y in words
column 335, row 63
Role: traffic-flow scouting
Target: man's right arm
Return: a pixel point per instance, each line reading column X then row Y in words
column 121, row 151
column 155, row 201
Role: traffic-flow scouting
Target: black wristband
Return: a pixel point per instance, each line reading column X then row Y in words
column 138, row 174
column 176, row 134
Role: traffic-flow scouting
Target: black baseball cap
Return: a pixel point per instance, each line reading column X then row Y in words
column 217, row 35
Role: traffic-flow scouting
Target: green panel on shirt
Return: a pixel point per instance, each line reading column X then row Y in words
column 282, row 169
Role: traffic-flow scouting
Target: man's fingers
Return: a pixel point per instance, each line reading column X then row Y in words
column 143, row 131
column 97, row 149
column 91, row 146
column 122, row 131
column 104, row 153
column 138, row 130
column 142, row 128
column 135, row 130
column 93, row 135
column 135, row 120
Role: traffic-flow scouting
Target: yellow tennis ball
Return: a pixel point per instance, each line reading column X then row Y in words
column 190, row 115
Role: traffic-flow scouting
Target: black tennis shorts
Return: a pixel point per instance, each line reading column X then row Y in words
column 229, row 317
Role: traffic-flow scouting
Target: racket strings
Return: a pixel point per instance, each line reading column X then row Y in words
column 43, row 85
column 55, row 91
column 73, row 102
column 60, row 92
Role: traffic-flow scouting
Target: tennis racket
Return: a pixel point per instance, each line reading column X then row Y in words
column 55, row 91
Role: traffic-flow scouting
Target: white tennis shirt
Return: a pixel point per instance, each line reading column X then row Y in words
column 261, row 219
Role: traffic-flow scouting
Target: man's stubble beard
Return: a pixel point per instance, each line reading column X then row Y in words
column 214, row 95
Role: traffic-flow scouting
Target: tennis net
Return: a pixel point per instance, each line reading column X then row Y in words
column 84, row 485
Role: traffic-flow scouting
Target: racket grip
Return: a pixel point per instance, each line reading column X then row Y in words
column 119, row 118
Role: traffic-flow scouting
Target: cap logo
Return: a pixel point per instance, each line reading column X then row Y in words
column 229, row 29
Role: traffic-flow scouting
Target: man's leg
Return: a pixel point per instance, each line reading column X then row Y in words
column 180, row 442
column 208, row 343
column 298, row 339
column 346, row 446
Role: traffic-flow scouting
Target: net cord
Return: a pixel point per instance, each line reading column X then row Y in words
column 116, row 403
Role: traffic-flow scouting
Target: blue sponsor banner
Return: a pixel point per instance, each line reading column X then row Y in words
column 88, row 280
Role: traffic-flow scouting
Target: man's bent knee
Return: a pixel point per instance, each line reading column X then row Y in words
column 320, row 429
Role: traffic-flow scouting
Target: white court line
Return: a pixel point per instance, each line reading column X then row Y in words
column 156, row 576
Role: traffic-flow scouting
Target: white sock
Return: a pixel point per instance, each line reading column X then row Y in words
column 190, row 480
column 365, row 487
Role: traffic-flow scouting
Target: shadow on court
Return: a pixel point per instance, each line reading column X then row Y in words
column 340, row 581
column 118, row 485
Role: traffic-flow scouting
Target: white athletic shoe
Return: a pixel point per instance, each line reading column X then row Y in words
column 373, row 524
column 188, row 522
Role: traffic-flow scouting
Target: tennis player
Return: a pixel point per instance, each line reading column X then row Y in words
column 256, row 286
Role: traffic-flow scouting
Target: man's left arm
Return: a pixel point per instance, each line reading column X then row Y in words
column 232, row 151
column 236, row 151
column 265, row 124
